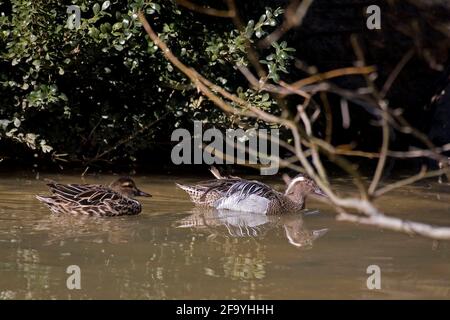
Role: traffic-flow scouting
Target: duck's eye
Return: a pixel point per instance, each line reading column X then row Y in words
column 127, row 185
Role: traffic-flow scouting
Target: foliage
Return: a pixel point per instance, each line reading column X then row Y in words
column 94, row 93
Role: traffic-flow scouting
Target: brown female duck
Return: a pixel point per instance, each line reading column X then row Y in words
column 234, row 193
column 117, row 199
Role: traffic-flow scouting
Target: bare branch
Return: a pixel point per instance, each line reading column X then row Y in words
column 370, row 214
column 396, row 224
column 394, row 74
column 332, row 74
column 205, row 10
column 410, row 180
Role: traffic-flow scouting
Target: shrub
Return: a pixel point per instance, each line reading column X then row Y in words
column 97, row 92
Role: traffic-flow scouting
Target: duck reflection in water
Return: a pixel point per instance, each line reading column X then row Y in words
column 236, row 224
column 69, row 228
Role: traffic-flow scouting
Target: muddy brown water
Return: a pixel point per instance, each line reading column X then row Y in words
column 175, row 251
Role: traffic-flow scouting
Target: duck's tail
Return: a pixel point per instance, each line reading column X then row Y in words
column 46, row 200
column 216, row 173
column 189, row 189
column 194, row 193
column 52, row 203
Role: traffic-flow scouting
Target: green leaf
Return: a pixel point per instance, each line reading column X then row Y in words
column 116, row 26
column 96, row 8
column 262, row 18
column 105, row 27
column 275, row 77
column 17, row 122
column 283, row 69
column 155, row 6
column 94, row 32
column 105, row 5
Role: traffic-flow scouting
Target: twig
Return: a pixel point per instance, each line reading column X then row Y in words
column 404, row 182
column 315, row 154
column 294, row 17
column 394, row 74
column 332, row 74
column 127, row 139
column 383, row 152
column 208, row 11
column 372, row 216
column 85, row 171
column 252, row 54
column 396, row 224
column 384, row 120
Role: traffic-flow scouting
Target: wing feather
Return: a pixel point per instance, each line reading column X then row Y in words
column 240, row 189
column 84, row 194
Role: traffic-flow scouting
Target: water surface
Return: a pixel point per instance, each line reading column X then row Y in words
column 175, row 251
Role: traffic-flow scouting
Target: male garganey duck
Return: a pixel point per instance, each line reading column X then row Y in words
column 94, row 199
column 234, row 193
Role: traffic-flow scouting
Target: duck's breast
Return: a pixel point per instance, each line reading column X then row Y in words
column 251, row 203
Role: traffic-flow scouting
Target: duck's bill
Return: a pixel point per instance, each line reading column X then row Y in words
column 143, row 194
column 320, row 193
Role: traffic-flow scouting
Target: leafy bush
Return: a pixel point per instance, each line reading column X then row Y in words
column 98, row 92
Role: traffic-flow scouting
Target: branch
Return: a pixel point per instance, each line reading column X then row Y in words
column 410, row 180
column 332, row 74
column 372, row 216
column 396, row 224
column 204, row 10
column 294, row 17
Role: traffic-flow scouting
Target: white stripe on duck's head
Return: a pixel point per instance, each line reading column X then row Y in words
column 300, row 186
column 126, row 186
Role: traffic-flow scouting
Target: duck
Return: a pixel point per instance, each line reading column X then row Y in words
column 117, row 199
column 237, row 194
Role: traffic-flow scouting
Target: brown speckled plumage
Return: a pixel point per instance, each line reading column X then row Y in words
column 239, row 194
column 94, row 199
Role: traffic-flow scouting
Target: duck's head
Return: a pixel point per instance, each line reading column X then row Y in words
column 127, row 187
column 300, row 186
